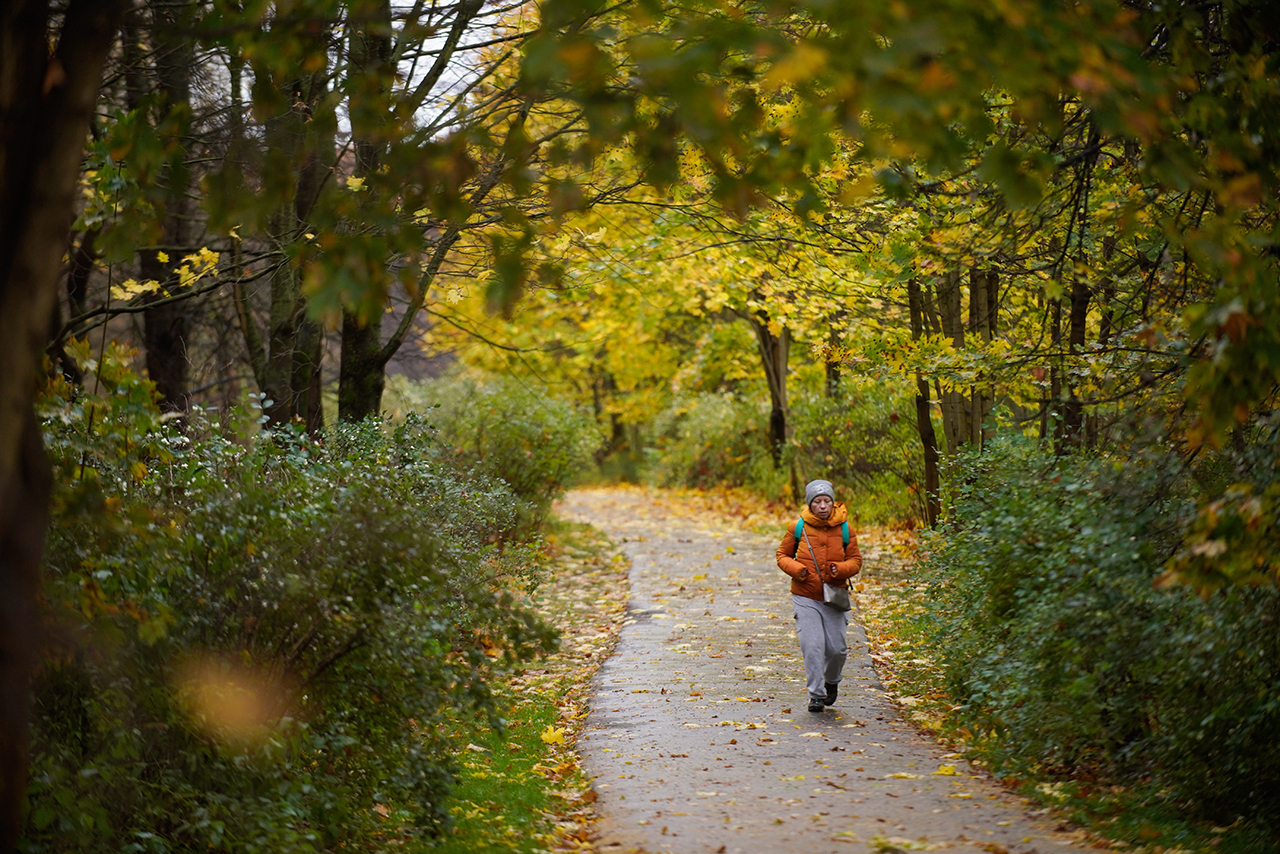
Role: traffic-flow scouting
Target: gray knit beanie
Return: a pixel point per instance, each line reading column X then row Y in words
column 818, row 487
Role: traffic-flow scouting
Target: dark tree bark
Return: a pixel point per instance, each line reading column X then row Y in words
column 166, row 327
column 361, row 368
column 287, row 358
column 361, row 371
column 1072, row 409
column 1051, row 406
column 932, row 498
column 46, row 103
column 83, row 261
column 956, row 415
column 1106, row 326
column 983, row 302
column 774, row 353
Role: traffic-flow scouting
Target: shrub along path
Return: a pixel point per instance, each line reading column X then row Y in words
column 699, row 739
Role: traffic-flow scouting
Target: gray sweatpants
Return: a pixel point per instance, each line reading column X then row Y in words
column 821, row 630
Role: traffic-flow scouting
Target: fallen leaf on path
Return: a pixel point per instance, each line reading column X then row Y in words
column 897, row 844
column 946, row 771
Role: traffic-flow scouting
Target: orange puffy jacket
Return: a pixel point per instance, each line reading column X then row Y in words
column 827, row 538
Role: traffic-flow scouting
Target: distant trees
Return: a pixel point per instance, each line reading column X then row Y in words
column 1114, row 164
column 332, row 155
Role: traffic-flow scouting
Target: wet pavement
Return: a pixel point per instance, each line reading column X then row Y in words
column 699, row 739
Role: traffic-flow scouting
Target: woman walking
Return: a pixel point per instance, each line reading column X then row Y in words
column 821, row 548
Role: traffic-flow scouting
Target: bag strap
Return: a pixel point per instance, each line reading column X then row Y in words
column 818, row 569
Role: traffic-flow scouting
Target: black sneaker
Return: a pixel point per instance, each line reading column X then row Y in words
column 833, row 689
column 816, row 705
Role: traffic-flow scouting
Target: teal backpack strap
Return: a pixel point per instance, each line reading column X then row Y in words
column 844, row 533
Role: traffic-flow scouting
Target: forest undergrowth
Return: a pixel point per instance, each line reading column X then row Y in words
column 521, row 787
column 892, row 598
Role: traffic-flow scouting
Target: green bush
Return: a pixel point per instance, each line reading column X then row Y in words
column 859, row 441
column 502, row 429
column 865, row 443
column 257, row 643
column 1066, row 653
column 714, row 439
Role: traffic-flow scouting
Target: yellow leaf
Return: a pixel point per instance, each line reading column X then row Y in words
column 553, row 735
column 801, row 64
column 946, row 771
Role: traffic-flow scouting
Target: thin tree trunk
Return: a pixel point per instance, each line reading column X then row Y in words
column 774, row 353
column 307, row 386
column 932, row 497
column 1107, row 291
column 956, row 417
column 980, row 328
column 1072, row 408
column 166, row 327
column 1051, row 416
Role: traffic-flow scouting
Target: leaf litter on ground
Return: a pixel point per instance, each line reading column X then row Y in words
column 523, row 789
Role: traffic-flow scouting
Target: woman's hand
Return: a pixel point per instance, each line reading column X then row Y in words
column 804, row 573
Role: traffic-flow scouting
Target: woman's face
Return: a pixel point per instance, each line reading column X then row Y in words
column 821, row 506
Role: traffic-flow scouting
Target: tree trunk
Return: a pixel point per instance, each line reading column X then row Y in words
column 1072, row 408
column 307, row 386
column 46, row 103
column 774, row 352
column 1051, row 415
column 956, row 415
column 1107, row 294
column 361, row 371
column 982, row 313
column 932, row 496
column 362, row 366
column 290, row 360
column 166, row 327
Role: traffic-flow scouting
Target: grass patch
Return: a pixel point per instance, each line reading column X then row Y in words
column 1138, row 819
column 508, row 792
column 522, row 789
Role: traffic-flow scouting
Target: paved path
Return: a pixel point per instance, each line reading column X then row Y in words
column 699, row 739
